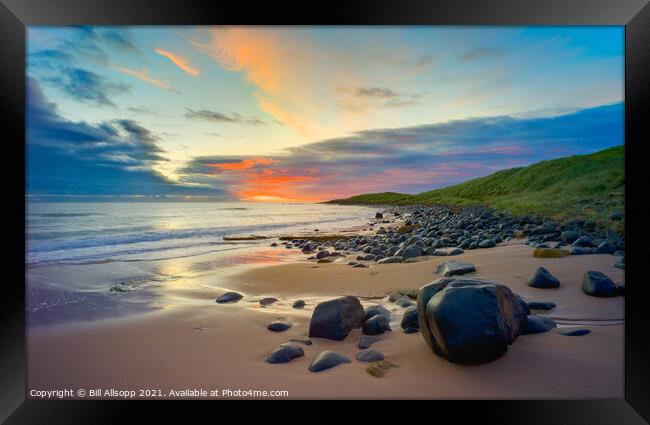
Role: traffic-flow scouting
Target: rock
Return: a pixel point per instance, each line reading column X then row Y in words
column 620, row 289
column 550, row 253
column 376, row 309
column 367, row 340
column 488, row 243
column 582, row 241
column 411, row 252
column 274, row 244
column 538, row 324
column 379, row 215
column 404, row 302
column 390, row 260
column 279, row 325
column 369, row 355
column 411, row 330
column 302, row 341
column 598, row 284
column 580, row 251
column 569, row 236
column 229, row 297
column 410, row 318
column 454, row 268
column 267, row 301
column 376, row 325
column 378, row 369
column 605, row 248
column 542, row 278
column 285, row 353
column 616, row 216
column 541, row 305
column 360, row 266
column 395, row 296
column 324, row 260
column 335, row 319
column 322, row 254
column 574, row 331
column 470, row 320
column 298, row 304
column 327, row 360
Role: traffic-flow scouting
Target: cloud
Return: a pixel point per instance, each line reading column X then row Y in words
column 380, row 92
column 215, row 116
column 480, row 53
column 116, row 157
column 87, row 86
column 178, row 61
column 411, row 159
column 143, row 75
column 363, row 98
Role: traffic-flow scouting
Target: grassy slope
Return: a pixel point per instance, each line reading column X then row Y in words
column 586, row 186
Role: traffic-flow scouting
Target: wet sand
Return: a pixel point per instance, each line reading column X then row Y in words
column 192, row 342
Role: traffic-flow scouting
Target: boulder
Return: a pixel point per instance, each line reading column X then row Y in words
column 470, row 320
column 410, row 318
column 369, row 355
column 454, row 268
column 488, row 243
column 335, row 319
column 404, row 302
column 322, row 254
column 229, row 297
column 605, row 248
column 285, row 353
column 327, row 360
column 542, row 278
column 569, row 236
column 598, row 284
column 267, row 301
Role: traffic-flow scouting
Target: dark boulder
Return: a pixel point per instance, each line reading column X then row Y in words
column 604, row 248
column 376, row 309
column 469, row 320
column 279, row 325
column 298, row 304
column 454, row 268
column 335, row 319
column 267, row 301
column 569, row 236
column 541, row 305
column 367, row 340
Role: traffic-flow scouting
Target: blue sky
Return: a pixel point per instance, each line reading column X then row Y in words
column 311, row 113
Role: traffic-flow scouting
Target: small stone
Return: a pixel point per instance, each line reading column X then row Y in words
column 367, row 340
column 574, row 331
column 369, row 355
column 285, row 353
column 298, row 304
column 404, row 302
column 542, row 278
column 598, row 284
column 327, row 360
column 376, row 325
column 410, row 319
column 267, row 301
column 538, row 324
column 541, row 305
column 378, row 369
column 279, row 325
column 229, row 297
column 454, row 268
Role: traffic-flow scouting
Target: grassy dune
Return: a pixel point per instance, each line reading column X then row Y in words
column 585, row 186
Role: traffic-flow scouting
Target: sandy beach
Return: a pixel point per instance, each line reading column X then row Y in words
column 191, row 342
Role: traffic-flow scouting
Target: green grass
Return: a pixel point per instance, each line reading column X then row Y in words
column 584, row 186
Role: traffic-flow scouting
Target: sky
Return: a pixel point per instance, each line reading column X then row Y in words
column 306, row 114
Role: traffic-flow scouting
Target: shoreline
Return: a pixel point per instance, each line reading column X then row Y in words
column 193, row 342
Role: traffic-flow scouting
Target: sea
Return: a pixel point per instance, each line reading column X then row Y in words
column 78, row 233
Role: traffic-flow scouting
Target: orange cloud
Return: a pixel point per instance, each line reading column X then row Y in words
column 144, row 76
column 178, row 61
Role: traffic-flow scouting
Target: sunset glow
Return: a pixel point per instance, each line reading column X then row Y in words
column 298, row 114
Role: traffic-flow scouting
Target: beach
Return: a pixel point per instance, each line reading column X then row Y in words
column 183, row 340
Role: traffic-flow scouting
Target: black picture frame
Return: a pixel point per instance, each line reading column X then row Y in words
column 15, row 15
